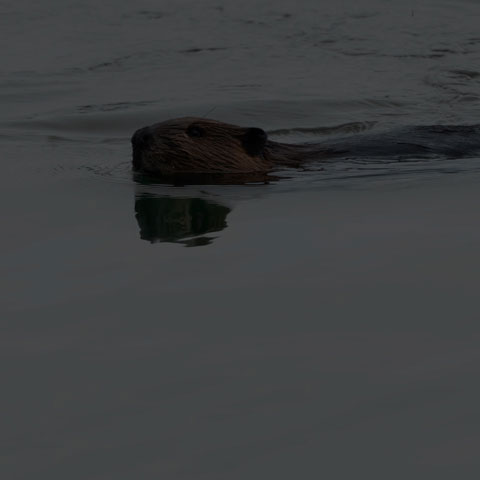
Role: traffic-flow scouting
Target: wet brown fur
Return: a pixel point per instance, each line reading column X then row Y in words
column 167, row 148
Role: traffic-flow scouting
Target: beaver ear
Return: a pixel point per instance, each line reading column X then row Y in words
column 254, row 140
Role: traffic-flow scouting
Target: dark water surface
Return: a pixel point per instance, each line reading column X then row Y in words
column 322, row 326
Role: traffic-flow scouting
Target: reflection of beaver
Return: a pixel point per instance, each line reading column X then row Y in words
column 197, row 146
column 179, row 220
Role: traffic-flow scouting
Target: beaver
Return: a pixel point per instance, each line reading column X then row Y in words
column 192, row 145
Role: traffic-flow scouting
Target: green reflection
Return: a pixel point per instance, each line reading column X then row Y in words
column 179, row 220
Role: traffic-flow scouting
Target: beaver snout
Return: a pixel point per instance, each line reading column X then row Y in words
column 142, row 138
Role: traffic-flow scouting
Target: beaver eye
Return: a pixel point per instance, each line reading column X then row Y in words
column 195, row 131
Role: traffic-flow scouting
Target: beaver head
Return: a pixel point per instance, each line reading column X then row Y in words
column 197, row 145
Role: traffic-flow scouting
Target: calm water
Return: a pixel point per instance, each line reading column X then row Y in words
column 321, row 326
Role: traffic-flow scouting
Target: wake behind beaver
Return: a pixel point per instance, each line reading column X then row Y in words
column 198, row 146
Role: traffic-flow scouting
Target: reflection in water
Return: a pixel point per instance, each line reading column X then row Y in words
column 179, row 220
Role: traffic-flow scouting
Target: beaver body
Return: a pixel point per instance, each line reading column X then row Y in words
column 201, row 146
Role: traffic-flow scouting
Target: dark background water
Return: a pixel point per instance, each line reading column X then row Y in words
column 323, row 325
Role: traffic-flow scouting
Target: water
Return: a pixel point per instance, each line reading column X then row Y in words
column 322, row 325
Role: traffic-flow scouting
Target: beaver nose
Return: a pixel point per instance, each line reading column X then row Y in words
column 142, row 137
